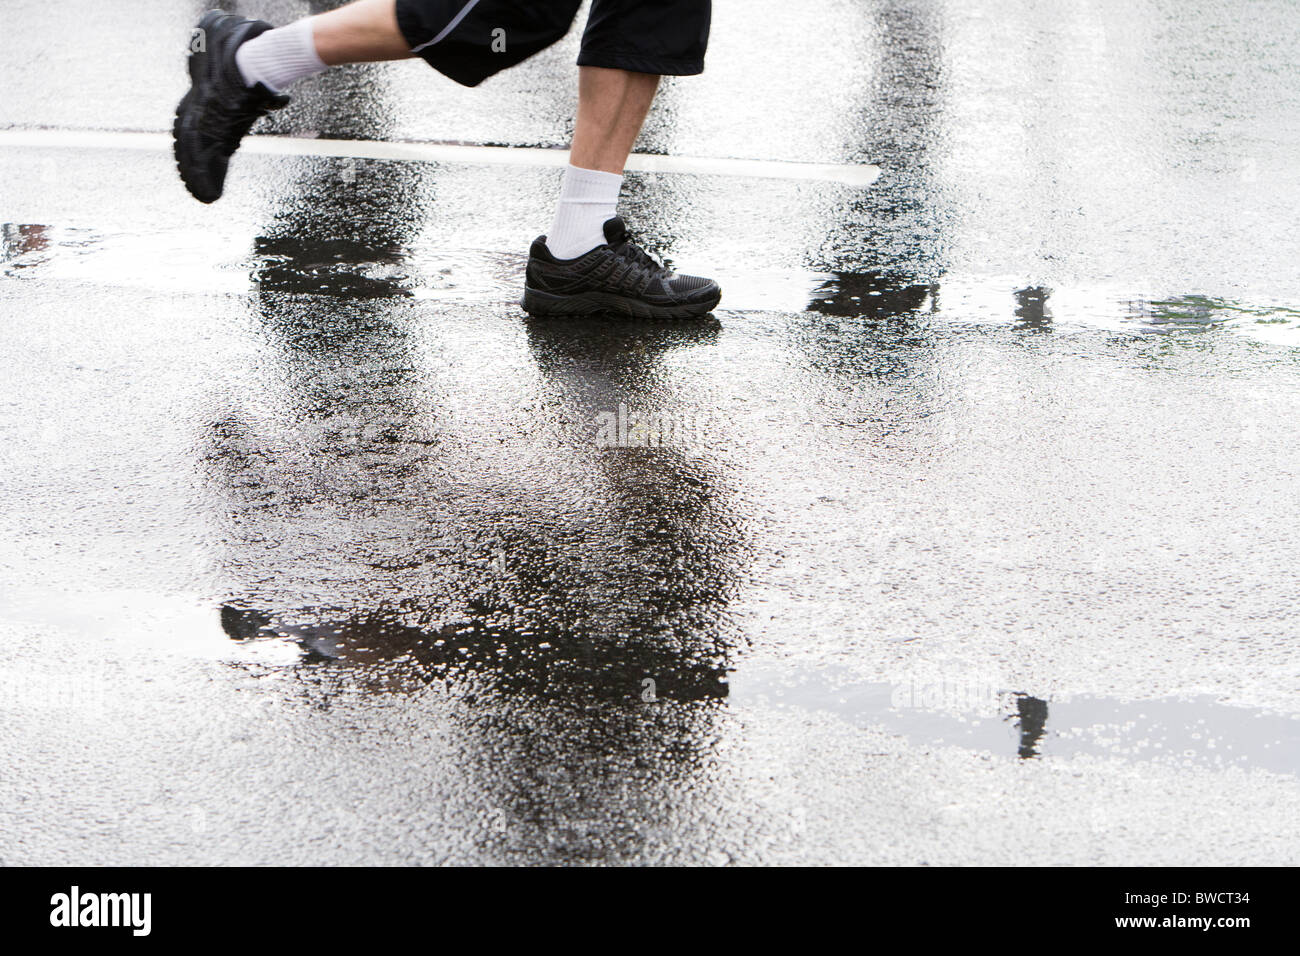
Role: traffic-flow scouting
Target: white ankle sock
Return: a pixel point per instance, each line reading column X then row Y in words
column 588, row 197
column 279, row 57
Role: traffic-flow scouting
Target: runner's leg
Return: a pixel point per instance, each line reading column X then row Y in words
column 362, row 32
column 612, row 106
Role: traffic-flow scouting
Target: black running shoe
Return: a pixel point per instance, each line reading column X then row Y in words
column 219, row 109
column 618, row 277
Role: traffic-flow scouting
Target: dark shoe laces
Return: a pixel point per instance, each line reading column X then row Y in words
column 228, row 124
column 641, row 267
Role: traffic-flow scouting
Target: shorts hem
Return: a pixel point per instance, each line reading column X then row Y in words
column 634, row 63
column 418, row 35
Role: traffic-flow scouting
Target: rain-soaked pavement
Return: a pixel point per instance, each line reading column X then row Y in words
column 965, row 531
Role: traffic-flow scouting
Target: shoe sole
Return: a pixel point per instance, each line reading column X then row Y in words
column 606, row 303
column 176, row 147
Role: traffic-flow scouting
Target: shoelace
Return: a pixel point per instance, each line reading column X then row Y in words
column 230, row 124
column 641, row 267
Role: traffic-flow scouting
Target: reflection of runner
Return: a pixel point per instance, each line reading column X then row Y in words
column 1031, row 718
column 587, row 262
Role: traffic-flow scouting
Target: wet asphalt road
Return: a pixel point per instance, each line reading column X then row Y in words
column 964, row 532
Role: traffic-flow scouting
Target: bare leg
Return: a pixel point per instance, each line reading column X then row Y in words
column 612, row 107
column 586, row 264
column 362, row 32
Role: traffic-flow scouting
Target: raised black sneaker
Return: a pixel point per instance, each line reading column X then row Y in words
column 219, row 109
column 618, row 277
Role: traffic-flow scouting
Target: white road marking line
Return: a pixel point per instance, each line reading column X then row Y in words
column 863, row 175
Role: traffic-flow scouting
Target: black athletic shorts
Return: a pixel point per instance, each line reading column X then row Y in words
column 470, row 40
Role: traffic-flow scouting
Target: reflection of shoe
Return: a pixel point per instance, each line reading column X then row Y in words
column 241, row 624
column 219, row 109
column 617, row 276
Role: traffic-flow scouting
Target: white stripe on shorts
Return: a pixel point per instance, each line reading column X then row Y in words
column 455, row 22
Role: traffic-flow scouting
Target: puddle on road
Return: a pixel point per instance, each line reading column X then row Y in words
column 129, row 621
column 1191, row 732
column 1197, row 732
column 214, row 264
column 339, row 267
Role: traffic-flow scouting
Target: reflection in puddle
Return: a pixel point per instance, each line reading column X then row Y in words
column 1032, row 313
column 1031, row 724
column 178, row 263
column 201, row 263
column 1183, row 732
column 539, row 661
column 386, row 654
column 1198, row 311
column 871, row 295
column 22, row 244
column 350, row 268
column 339, row 267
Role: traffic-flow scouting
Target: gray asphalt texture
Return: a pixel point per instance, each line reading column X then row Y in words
column 966, row 530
